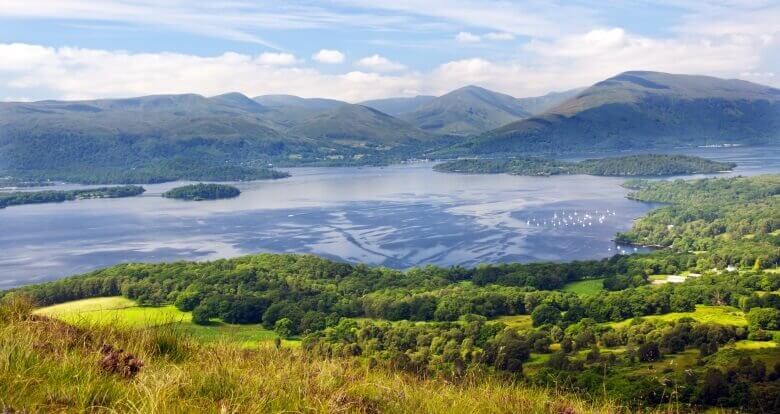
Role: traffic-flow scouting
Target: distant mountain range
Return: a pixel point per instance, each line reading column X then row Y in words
column 631, row 110
column 466, row 111
column 643, row 110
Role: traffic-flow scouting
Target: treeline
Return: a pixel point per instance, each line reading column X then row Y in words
column 17, row 198
column 309, row 291
column 632, row 165
column 589, row 358
column 735, row 221
column 198, row 192
column 184, row 169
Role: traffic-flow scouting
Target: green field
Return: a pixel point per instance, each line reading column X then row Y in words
column 587, row 287
column 724, row 315
column 123, row 312
column 115, row 311
column 516, row 321
column 748, row 344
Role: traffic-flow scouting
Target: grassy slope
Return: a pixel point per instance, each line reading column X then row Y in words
column 724, row 315
column 47, row 366
column 123, row 312
column 585, row 287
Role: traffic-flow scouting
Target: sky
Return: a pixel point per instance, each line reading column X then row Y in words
column 356, row 50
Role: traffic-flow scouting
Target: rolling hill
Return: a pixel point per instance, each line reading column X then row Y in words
column 466, row 111
column 538, row 104
column 288, row 111
column 643, row 110
column 399, row 106
column 230, row 128
column 128, row 132
column 360, row 126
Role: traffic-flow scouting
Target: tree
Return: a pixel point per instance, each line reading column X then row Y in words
column 713, row 387
column 594, row 354
column 284, row 327
column 545, row 314
column 201, row 315
column 542, row 345
column 763, row 318
column 649, row 352
column 187, row 300
column 556, row 333
column 567, row 345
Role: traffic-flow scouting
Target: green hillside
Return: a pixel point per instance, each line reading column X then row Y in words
column 643, row 110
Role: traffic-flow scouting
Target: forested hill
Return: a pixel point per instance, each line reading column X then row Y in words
column 731, row 217
column 633, row 165
column 643, row 110
column 226, row 130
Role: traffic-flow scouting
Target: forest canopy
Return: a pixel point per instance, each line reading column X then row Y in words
column 17, row 198
column 632, row 165
column 200, row 192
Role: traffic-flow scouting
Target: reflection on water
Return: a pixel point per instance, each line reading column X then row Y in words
column 398, row 216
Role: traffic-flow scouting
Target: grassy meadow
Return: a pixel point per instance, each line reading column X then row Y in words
column 126, row 313
column 724, row 315
column 586, row 287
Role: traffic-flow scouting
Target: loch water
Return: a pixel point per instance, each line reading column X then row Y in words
column 398, row 216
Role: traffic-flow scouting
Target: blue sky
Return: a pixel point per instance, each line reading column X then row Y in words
column 356, row 50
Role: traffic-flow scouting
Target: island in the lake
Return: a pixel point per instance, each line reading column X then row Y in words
column 644, row 165
column 17, row 198
column 177, row 169
column 201, row 192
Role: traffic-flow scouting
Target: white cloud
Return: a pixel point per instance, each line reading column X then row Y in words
column 584, row 59
column 530, row 18
column 281, row 59
column 328, row 56
column 499, row 36
column 466, row 37
column 604, row 51
column 38, row 72
column 379, row 64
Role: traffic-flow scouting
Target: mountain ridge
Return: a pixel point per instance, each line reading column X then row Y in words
column 642, row 109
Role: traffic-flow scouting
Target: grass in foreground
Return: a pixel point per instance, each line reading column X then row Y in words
column 49, row 366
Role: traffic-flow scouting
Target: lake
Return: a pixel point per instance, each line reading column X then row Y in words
column 398, row 216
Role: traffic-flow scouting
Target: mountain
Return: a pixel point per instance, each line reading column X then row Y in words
column 538, row 104
column 280, row 101
column 38, row 138
column 357, row 125
column 398, row 106
column 642, row 110
column 128, row 132
column 465, row 111
column 288, row 111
